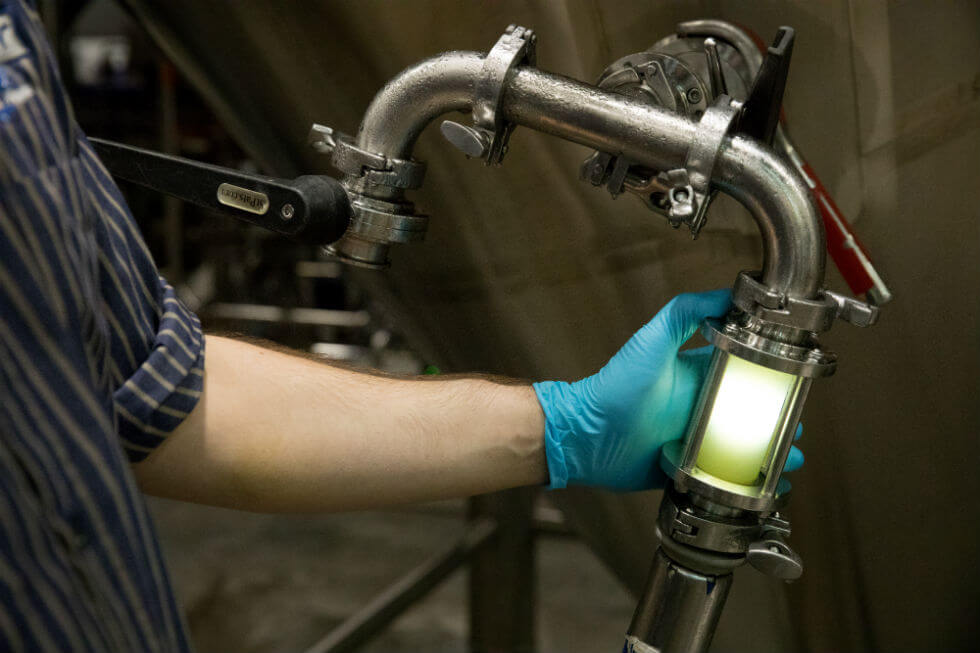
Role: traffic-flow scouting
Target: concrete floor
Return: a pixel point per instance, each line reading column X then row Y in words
column 263, row 583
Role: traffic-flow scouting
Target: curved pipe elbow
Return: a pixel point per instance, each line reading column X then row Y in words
column 414, row 98
column 793, row 237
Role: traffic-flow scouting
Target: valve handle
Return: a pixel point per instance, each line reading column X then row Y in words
column 314, row 207
column 760, row 115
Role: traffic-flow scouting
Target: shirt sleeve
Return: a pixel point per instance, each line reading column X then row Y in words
column 166, row 386
column 156, row 346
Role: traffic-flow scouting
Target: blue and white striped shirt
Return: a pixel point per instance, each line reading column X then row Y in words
column 99, row 361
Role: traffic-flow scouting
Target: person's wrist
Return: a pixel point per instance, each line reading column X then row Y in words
column 552, row 396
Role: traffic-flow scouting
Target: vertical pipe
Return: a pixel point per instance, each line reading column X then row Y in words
column 679, row 610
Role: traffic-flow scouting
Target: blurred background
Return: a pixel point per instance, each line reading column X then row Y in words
column 530, row 272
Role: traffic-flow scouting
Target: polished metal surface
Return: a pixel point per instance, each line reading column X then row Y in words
column 743, row 43
column 745, row 65
column 661, row 80
column 471, row 141
column 793, row 245
column 803, row 359
column 375, row 169
column 679, row 611
column 416, row 97
column 396, row 117
column 750, row 172
column 685, row 76
column 718, row 84
column 657, row 79
column 713, row 127
column 515, row 47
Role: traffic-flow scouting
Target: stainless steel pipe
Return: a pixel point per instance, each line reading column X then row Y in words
column 680, row 609
column 768, row 186
column 752, row 173
column 414, row 98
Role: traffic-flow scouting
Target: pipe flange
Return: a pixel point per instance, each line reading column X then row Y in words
column 734, row 495
column 806, row 360
column 386, row 222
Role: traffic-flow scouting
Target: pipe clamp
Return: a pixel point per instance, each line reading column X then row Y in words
column 488, row 136
column 816, row 315
column 376, row 169
column 689, row 202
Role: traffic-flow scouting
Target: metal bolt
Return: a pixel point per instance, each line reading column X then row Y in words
column 287, row 211
column 694, row 95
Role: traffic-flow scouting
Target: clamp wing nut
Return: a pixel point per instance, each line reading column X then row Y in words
column 488, row 136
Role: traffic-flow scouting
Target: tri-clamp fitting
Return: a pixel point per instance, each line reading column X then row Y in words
column 377, row 221
column 376, row 180
column 487, row 137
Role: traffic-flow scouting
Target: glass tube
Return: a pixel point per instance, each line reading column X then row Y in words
column 746, row 414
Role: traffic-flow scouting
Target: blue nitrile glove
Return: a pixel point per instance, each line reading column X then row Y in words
column 607, row 429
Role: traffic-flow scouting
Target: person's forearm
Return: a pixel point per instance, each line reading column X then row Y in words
column 274, row 432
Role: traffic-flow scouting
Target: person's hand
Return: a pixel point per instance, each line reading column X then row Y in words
column 607, row 429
